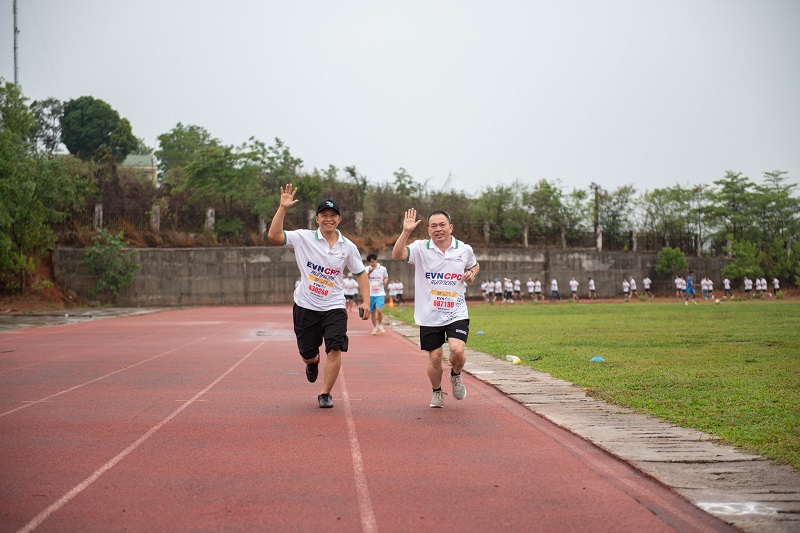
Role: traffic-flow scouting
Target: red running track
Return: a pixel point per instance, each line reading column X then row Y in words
column 202, row 419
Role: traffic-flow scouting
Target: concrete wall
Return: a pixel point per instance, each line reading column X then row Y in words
column 239, row 276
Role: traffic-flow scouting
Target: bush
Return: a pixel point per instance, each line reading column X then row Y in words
column 113, row 266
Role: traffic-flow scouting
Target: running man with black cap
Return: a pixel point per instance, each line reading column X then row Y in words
column 443, row 267
column 319, row 304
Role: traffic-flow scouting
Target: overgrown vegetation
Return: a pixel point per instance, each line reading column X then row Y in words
column 730, row 370
column 47, row 198
column 110, row 263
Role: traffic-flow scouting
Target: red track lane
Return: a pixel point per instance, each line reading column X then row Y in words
column 202, row 419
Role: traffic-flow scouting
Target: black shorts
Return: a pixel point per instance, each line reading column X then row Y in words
column 433, row 337
column 349, row 296
column 312, row 327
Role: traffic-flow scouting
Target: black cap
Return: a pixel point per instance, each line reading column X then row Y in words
column 328, row 204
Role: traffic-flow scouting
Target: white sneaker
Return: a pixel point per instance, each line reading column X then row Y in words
column 459, row 391
column 375, row 330
column 437, row 400
column 380, row 329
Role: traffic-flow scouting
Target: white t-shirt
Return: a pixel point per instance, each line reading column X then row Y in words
column 321, row 267
column 633, row 284
column 398, row 286
column 517, row 285
column 726, row 283
column 573, row 285
column 530, row 285
column 591, row 285
column 508, row 285
column 439, row 281
column 709, row 285
column 776, row 284
column 538, row 286
column 392, row 288
column 376, row 277
column 748, row 284
column 350, row 286
column 498, row 287
column 625, row 286
column 646, row 282
column 553, row 285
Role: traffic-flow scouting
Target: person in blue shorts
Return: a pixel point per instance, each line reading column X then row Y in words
column 690, row 288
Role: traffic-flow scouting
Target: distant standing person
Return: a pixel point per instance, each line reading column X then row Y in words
column 776, row 286
column 517, row 290
column 690, row 288
column 573, row 287
column 626, row 288
column 748, row 286
column 399, row 288
column 592, row 290
column 554, row 290
column 443, row 266
column 726, row 288
column 646, row 282
column 350, row 286
column 378, row 278
column 319, row 312
column 634, row 292
column 537, row 287
column 530, row 285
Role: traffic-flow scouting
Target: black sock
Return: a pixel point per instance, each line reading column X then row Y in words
column 437, row 390
column 453, row 373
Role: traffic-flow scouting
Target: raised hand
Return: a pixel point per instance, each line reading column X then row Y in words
column 287, row 196
column 410, row 221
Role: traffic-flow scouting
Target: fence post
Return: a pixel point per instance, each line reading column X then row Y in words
column 359, row 221
column 262, row 226
column 211, row 214
column 311, row 223
column 155, row 218
column 97, row 220
column 599, row 238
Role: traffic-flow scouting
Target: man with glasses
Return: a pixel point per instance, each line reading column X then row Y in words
column 443, row 267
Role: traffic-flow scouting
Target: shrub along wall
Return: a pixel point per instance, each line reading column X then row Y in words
column 257, row 276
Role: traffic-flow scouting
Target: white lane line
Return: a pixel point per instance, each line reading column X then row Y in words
column 28, row 404
column 44, row 515
column 368, row 524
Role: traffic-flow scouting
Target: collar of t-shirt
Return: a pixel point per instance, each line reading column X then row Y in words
column 431, row 245
column 320, row 237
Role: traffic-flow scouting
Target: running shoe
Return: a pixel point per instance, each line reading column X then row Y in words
column 381, row 330
column 325, row 401
column 312, row 371
column 375, row 330
column 459, row 391
column 437, row 400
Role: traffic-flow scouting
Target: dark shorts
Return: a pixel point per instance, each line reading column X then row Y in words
column 433, row 337
column 349, row 296
column 312, row 327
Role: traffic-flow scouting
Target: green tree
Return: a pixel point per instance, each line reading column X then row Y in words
column 731, row 207
column 89, row 123
column 35, row 192
column 670, row 261
column 545, row 202
column 745, row 262
column 46, row 132
column 178, row 147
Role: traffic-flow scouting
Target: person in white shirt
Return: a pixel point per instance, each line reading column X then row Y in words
column 704, row 287
column 710, row 288
column 398, row 286
column 443, row 266
column 592, row 290
column 508, row 288
column 517, row 290
column 765, row 287
column 678, row 292
column 748, row 286
column 634, row 292
column 498, row 289
column 554, row 290
column 378, row 278
column 646, row 282
column 350, row 292
column 530, row 285
column 726, row 288
column 573, row 287
column 537, row 289
column 626, row 287
column 776, row 286
column 319, row 312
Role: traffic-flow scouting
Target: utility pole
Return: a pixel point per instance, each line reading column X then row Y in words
column 16, row 33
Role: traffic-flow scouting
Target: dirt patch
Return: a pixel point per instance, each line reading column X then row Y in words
column 48, row 295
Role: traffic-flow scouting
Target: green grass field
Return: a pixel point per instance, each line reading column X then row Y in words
column 731, row 370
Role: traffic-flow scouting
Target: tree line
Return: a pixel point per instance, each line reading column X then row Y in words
column 47, row 198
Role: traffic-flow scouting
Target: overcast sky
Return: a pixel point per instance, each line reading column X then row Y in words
column 649, row 93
